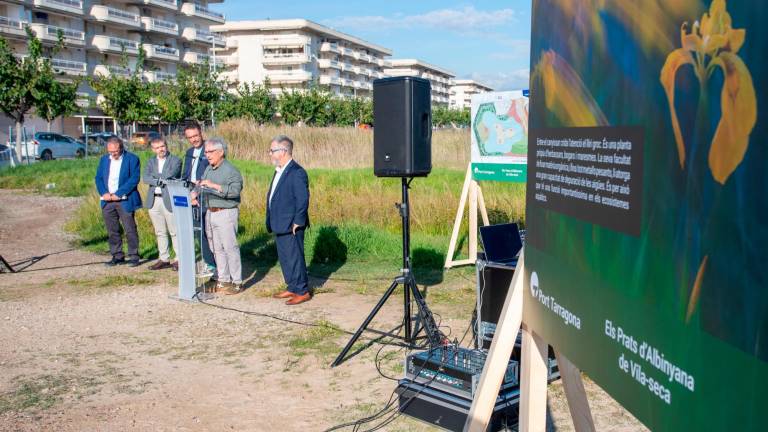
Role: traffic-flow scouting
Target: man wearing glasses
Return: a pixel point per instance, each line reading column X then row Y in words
column 117, row 178
column 195, row 164
column 220, row 186
column 287, row 205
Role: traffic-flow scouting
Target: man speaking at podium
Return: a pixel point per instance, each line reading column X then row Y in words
column 220, row 188
column 287, row 205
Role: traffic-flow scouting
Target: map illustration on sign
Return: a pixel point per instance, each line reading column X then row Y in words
column 500, row 136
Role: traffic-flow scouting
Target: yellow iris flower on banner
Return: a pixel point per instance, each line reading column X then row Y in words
column 713, row 43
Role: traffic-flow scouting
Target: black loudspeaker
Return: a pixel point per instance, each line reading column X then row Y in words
column 402, row 132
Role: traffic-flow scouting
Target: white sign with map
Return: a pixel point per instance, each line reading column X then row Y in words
column 500, row 136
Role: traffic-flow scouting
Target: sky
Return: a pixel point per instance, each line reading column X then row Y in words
column 486, row 40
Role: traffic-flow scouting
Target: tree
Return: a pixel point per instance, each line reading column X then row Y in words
column 61, row 100
column 201, row 91
column 170, row 108
column 255, row 102
column 310, row 107
column 127, row 99
column 26, row 82
column 444, row 116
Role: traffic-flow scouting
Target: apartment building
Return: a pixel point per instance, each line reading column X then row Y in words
column 96, row 33
column 293, row 53
column 462, row 90
column 439, row 78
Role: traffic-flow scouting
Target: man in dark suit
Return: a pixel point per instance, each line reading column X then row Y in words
column 287, row 205
column 160, row 168
column 195, row 164
column 116, row 179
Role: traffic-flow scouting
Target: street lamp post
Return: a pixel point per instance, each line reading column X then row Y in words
column 212, row 71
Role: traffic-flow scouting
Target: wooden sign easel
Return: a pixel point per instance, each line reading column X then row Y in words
column 533, row 372
column 472, row 189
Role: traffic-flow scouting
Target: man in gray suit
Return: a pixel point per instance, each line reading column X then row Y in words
column 161, row 167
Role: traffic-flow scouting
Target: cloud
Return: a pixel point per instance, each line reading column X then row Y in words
column 501, row 81
column 463, row 20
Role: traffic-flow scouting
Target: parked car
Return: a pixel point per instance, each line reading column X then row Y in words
column 97, row 142
column 142, row 139
column 51, row 145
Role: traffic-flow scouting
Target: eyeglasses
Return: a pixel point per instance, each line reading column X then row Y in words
column 211, row 151
column 273, row 151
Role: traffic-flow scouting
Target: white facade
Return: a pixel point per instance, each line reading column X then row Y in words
column 96, row 32
column 439, row 78
column 294, row 53
column 462, row 90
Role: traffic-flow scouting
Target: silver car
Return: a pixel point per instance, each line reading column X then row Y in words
column 51, row 145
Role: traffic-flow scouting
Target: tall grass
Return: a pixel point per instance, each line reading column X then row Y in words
column 352, row 212
column 333, row 147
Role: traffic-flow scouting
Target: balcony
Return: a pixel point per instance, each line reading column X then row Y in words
column 195, row 10
column 167, row 4
column 49, row 33
column 284, row 41
column 329, row 80
column 107, row 70
column 159, row 52
column 111, row 44
column 230, row 60
column 196, row 57
column 160, row 26
column 83, row 100
column 69, row 67
column 112, row 15
column 204, row 36
column 12, row 27
column 275, row 59
column 69, row 6
column 330, row 47
column 288, row 76
column 159, row 76
column 328, row 64
column 349, row 52
column 347, row 82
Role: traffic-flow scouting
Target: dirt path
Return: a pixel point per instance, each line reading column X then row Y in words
column 85, row 347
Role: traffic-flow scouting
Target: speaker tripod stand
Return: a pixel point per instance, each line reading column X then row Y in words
column 410, row 289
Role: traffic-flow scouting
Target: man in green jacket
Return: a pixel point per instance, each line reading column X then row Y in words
column 220, row 186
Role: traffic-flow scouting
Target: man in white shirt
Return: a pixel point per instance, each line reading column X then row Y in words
column 287, row 218
column 116, row 180
column 160, row 168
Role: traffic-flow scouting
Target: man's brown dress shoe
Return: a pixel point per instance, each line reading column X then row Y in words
column 175, row 266
column 298, row 299
column 159, row 265
column 284, row 295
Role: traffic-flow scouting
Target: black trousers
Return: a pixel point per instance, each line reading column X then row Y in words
column 290, row 252
column 115, row 216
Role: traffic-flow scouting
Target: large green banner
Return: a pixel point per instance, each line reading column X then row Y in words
column 647, row 204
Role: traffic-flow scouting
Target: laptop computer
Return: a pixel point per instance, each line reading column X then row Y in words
column 502, row 244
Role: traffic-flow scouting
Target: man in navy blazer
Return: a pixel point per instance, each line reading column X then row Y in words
column 287, row 205
column 195, row 164
column 117, row 178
